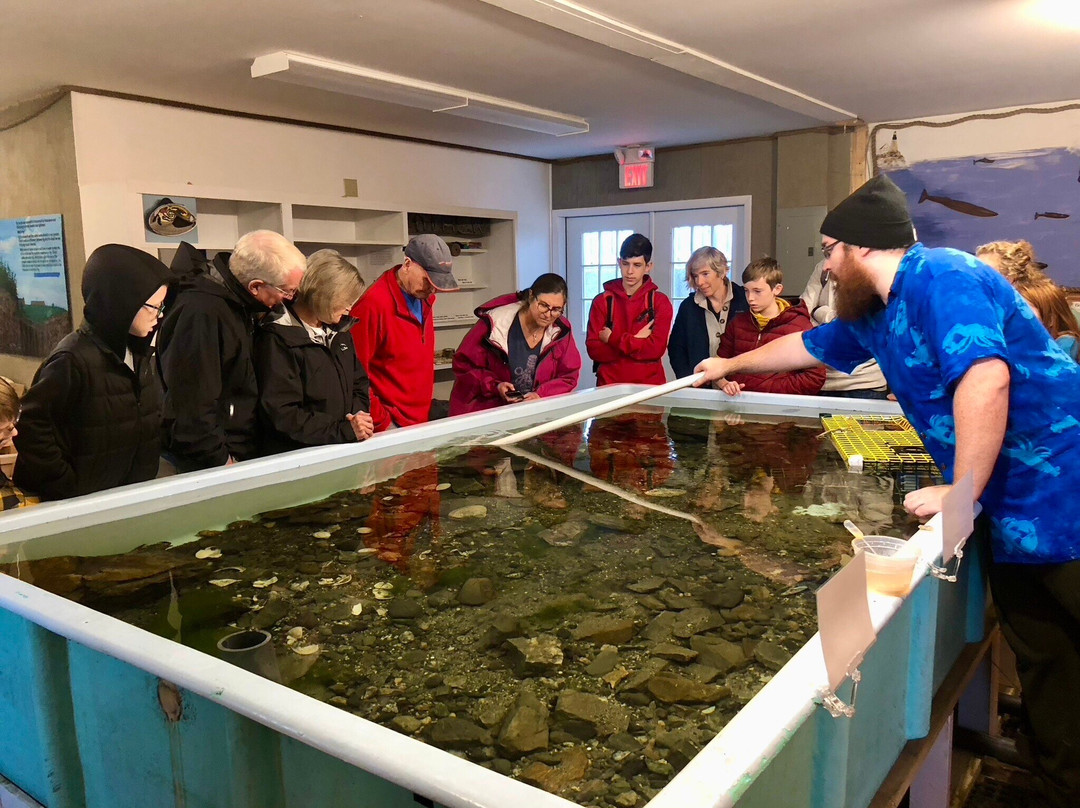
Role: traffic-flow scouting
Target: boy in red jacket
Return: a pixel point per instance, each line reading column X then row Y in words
column 770, row 317
column 630, row 321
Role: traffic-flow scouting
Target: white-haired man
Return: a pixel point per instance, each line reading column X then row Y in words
column 205, row 346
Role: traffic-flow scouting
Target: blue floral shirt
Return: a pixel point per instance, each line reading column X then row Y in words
column 946, row 311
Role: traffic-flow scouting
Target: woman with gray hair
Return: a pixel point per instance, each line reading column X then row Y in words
column 703, row 315
column 312, row 388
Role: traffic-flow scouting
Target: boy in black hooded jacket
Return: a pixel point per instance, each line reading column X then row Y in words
column 91, row 418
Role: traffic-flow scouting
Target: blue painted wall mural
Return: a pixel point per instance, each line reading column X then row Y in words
column 1033, row 195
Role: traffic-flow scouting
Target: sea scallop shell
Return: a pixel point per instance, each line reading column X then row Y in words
column 208, row 552
column 265, row 582
column 223, row 582
column 307, row 650
column 341, row 580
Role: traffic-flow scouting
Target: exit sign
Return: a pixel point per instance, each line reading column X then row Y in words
column 636, row 175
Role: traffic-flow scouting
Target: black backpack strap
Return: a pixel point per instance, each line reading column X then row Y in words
column 652, row 307
column 610, row 300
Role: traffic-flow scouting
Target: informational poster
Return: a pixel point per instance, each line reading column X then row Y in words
column 35, row 309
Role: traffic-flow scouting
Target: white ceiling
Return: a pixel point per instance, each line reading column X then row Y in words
column 880, row 61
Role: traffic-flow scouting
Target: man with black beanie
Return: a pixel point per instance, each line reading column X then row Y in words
column 92, row 417
column 991, row 395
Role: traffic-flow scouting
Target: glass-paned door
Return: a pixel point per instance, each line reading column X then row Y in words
column 679, row 232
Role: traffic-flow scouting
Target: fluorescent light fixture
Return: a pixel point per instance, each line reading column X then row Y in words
column 585, row 22
column 341, row 77
column 508, row 113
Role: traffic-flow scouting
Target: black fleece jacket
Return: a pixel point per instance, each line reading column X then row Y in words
column 306, row 389
column 204, row 353
column 89, row 421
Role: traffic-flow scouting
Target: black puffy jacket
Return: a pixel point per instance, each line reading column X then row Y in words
column 204, row 354
column 306, row 389
column 89, row 421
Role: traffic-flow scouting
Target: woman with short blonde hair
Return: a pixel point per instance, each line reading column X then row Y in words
column 312, row 388
column 329, row 282
column 703, row 315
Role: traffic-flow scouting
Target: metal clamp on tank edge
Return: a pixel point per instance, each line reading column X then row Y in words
column 835, row 705
column 942, row 573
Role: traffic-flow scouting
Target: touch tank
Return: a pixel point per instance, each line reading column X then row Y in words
column 585, row 615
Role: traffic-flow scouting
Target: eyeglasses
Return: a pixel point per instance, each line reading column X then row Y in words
column 159, row 310
column 827, row 249
column 546, row 309
column 288, row 294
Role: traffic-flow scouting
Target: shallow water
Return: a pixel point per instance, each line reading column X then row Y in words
column 583, row 615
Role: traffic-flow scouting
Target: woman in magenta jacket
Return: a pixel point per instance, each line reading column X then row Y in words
column 522, row 348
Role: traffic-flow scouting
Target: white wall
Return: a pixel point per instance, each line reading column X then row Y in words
column 982, row 137
column 124, row 147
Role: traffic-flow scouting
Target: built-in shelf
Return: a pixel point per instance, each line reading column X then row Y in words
column 472, row 252
column 466, row 283
column 323, row 224
column 344, row 243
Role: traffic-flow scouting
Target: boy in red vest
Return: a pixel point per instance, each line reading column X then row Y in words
column 770, row 317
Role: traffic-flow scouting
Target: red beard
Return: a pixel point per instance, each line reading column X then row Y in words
column 856, row 295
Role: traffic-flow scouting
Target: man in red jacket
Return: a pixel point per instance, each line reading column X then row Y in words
column 770, row 317
column 630, row 321
column 395, row 332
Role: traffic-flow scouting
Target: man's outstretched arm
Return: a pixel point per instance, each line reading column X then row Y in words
column 786, row 353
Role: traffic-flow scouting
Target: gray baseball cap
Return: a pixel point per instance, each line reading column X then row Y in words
column 431, row 252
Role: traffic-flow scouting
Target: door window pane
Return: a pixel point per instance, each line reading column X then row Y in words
column 685, row 239
column 723, row 236
column 680, row 245
column 608, row 248
column 591, row 285
column 599, row 261
column 590, row 249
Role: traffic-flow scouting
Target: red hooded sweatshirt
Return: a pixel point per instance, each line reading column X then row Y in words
column 397, row 351
column 481, row 361
column 624, row 357
column 743, row 334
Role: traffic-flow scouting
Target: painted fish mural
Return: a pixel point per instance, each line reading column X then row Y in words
column 967, row 208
